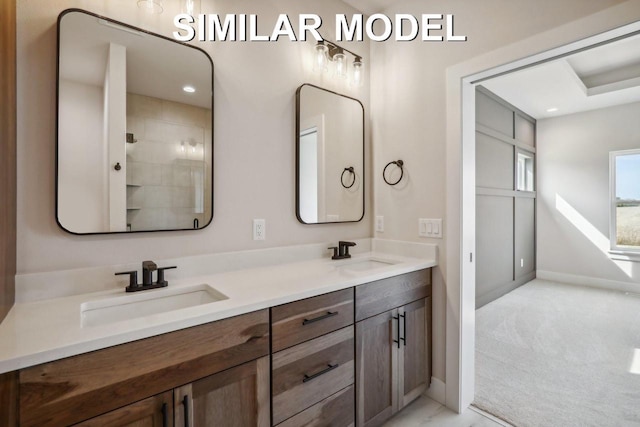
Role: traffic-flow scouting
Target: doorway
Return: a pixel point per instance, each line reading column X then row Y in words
column 461, row 204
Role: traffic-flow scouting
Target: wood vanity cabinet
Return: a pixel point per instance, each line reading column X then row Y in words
column 130, row 384
column 313, row 371
column 155, row 411
column 351, row 357
column 236, row 397
column 392, row 345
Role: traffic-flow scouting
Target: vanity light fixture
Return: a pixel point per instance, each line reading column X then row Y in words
column 189, row 89
column 191, row 7
column 326, row 52
column 182, row 147
column 340, row 61
column 320, row 59
column 357, row 67
column 151, row 6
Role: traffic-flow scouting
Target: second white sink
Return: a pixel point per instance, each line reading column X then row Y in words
column 146, row 303
column 366, row 264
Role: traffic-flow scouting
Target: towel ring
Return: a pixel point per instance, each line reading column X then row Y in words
column 398, row 163
column 349, row 169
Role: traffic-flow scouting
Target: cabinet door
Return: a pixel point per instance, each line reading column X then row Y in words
column 413, row 354
column 376, row 367
column 156, row 411
column 237, row 397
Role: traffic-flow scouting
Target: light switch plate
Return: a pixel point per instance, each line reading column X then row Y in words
column 423, row 227
column 430, row 228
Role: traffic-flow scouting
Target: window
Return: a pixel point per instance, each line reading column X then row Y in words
column 524, row 172
column 625, row 200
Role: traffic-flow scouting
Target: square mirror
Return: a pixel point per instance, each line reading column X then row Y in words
column 134, row 143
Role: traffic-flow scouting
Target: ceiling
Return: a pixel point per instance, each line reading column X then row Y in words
column 156, row 66
column 369, row 7
column 597, row 78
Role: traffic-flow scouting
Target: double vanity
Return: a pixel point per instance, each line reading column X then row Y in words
column 313, row 342
column 279, row 337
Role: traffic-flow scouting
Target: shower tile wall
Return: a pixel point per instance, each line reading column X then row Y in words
column 166, row 169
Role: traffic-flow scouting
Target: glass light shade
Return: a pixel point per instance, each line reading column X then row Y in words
column 320, row 58
column 151, row 6
column 341, row 65
column 190, row 7
column 358, row 72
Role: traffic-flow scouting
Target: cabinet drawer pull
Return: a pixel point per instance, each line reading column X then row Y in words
column 165, row 421
column 404, row 329
column 316, row 319
column 317, row 374
column 185, row 403
column 397, row 330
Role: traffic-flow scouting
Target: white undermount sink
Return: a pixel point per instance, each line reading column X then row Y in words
column 145, row 303
column 366, row 264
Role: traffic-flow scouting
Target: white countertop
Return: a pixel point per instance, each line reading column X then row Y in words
column 42, row 331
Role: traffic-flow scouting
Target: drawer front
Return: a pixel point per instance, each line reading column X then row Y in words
column 386, row 294
column 74, row 389
column 306, row 319
column 336, row 410
column 310, row 372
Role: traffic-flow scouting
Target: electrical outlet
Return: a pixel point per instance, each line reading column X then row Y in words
column 380, row 223
column 259, row 229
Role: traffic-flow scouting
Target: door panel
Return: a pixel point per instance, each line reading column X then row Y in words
column 413, row 375
column 156, row 411
column 237, row 397
column 376, row 361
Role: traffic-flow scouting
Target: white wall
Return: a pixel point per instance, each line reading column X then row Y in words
column 254, row 144
column 409, row 120
column 82, row 209
column 573, row 191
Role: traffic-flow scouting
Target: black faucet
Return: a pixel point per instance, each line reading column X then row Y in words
column 342, row 250
column 148, row 267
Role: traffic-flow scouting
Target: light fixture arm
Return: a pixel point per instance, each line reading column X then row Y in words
column 336, row 48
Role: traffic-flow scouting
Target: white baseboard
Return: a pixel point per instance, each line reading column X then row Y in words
column 593, row 282
column 437, row 391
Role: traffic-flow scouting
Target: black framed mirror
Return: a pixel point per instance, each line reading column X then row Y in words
column 134, row 137
column 330, row 165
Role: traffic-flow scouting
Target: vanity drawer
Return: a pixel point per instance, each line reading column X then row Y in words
column 386, row 294
column 336, row 410
column 303, row 320
column 310, row 372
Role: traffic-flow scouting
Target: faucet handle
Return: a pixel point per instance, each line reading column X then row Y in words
column 133, row 279
column 335, row 252
column 161, row 280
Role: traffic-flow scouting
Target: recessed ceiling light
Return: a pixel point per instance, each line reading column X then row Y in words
column 189, row 89
column 552, row 110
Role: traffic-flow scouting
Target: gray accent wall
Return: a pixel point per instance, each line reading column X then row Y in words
column 505, row 217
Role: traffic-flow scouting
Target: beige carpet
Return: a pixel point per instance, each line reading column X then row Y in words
column 549, row 354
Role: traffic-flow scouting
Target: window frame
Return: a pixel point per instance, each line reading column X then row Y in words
column 613, row 218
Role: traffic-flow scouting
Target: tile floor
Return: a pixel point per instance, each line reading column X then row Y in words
column 425, row 412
